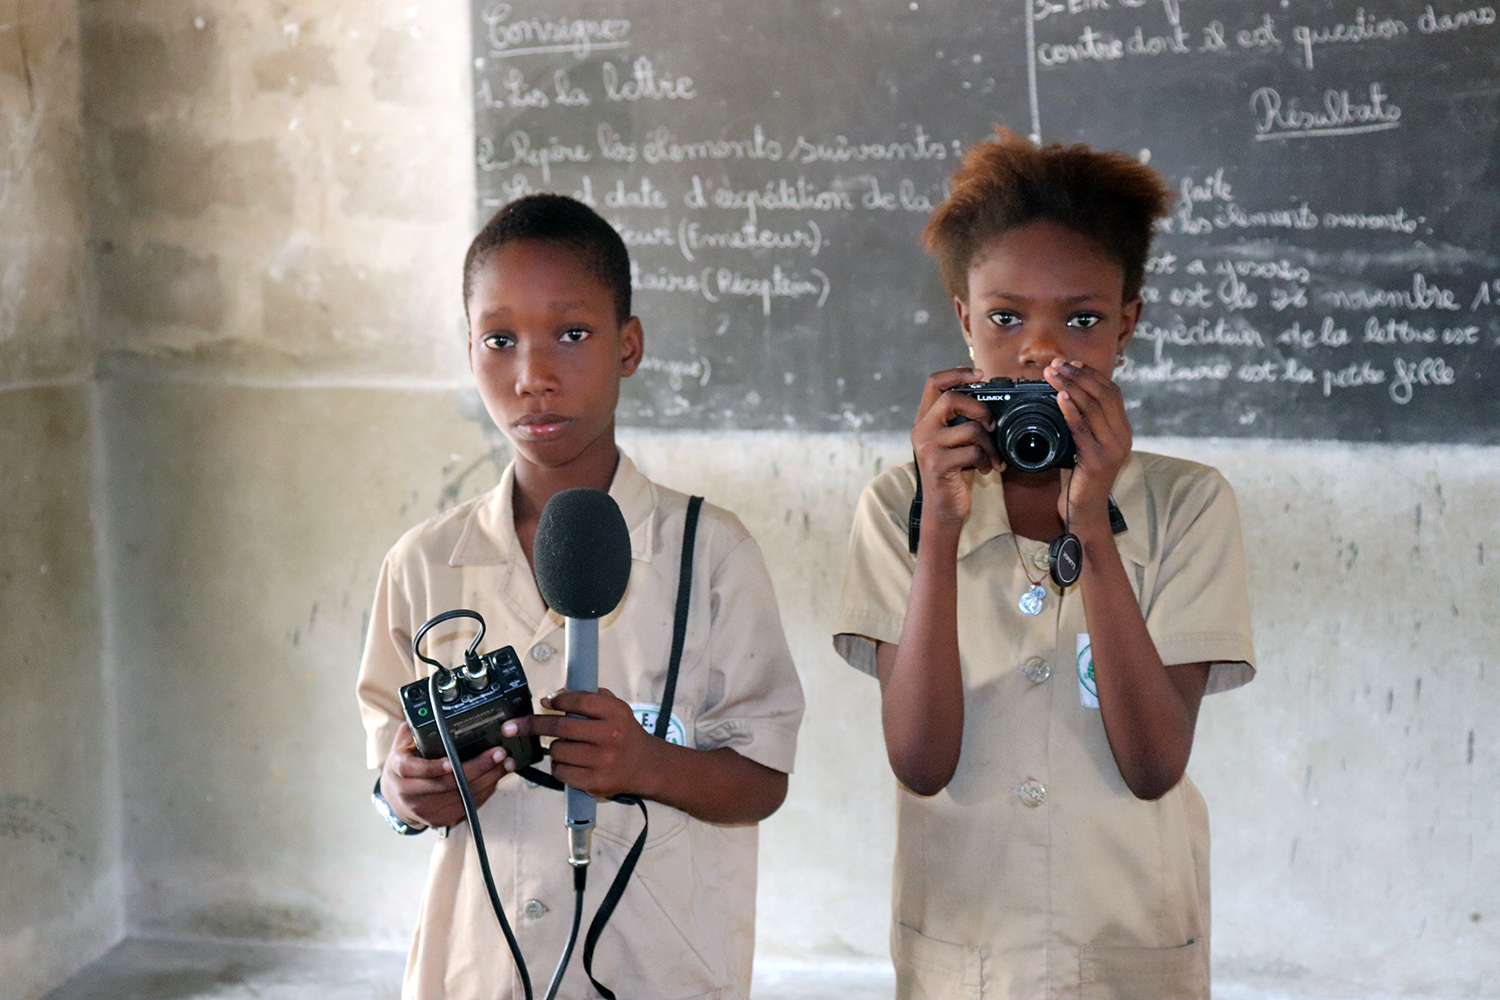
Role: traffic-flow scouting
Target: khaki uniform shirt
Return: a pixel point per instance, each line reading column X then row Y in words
column 685, row 926
column 1036, row 873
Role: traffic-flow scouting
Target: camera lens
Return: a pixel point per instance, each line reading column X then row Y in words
column 1031, row 440
column 1032, row 448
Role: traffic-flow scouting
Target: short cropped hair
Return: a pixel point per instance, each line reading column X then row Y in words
column 565, row 222
column 1008, row 182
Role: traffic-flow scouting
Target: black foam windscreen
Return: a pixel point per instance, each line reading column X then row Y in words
column 582, row 553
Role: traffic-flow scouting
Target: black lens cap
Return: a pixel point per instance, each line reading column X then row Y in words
column 1065, row 559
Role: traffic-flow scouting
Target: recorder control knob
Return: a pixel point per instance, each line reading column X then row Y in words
column 448, row 687
column 476, row 676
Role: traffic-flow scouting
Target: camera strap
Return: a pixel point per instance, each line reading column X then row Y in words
column 663, row 720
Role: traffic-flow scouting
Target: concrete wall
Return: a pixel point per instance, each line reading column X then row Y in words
column 60, row 898
column 278, row 197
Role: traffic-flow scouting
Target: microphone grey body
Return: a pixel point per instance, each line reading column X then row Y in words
column 583, row 675
column 582, row 564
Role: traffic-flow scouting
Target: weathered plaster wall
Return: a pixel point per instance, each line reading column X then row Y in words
column 60, row 898
column 279, row 187
column 280, row 192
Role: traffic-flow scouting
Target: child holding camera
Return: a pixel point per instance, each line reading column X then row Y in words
column 1049, row 843
column 547, row 293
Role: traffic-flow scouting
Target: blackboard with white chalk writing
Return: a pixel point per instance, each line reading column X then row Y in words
column 1331, row 268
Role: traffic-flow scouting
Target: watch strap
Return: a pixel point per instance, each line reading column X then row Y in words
column 384, row 808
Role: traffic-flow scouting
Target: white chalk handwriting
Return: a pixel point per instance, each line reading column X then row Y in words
column 778, row 285
column 777, row 195
column 1406, row 375
column 645, row 85
column 717, row 284
column 1363, row 28
column 533, row 35
column 1327, row 335
column 1400, row 331
column 517, row 150
column 841, row 150
column 1339, row 115
column 906, row 197
column 662, row 146
column 1483, row 296
column 691, row 239
column 1205, row 332
column 699, row 369
column 1422, row 295
column 1432, row 22
column 1353, row 376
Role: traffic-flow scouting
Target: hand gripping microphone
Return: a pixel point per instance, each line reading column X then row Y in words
column 582, row 561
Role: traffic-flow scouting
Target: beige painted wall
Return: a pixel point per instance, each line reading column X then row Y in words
column 278, row 194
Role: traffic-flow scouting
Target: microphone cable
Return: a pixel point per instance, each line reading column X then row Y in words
column 471, row 813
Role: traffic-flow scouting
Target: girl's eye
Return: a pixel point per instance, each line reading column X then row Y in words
column 497, row 341
column 1085, row 320
column 575, row 335
column 1004, row 317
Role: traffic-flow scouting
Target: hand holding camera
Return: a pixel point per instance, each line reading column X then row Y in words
column 1094, row 409
column 952, row 439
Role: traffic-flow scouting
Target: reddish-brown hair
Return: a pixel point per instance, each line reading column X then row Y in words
column 1007, row 182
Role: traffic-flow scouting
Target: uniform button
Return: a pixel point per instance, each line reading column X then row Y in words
column 1042, row 559
column 542, row 652
column 1032, row 792
column 1036, row 669
column 534, row 908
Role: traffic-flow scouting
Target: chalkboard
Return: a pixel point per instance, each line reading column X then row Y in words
column 1331, row 269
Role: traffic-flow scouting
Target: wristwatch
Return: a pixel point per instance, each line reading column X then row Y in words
column 384, row 808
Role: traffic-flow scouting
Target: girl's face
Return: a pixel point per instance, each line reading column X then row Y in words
column 548, row 352
column 1044, row 292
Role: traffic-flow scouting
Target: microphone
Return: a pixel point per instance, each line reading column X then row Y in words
column 582, row 562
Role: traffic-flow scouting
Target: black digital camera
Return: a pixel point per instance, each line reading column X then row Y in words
column 1030, row 432
column 476, row 700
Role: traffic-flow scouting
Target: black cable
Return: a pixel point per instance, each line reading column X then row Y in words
column 471, row 811
column 580, row 879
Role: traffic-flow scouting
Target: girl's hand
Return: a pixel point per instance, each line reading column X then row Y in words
column 948, row 453
column 1094, row 408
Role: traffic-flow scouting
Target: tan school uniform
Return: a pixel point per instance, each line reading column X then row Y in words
column 1036, row 873
column 685, row 925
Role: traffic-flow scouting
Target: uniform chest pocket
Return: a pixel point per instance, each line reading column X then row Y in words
column 624, row 823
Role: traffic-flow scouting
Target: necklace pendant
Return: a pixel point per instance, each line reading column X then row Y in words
column 1031, row 601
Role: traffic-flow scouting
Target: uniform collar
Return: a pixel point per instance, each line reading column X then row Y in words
column 489, row 535
column 988, row 518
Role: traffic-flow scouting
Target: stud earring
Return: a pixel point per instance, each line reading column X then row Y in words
column 971, row 352
column 1119, row 360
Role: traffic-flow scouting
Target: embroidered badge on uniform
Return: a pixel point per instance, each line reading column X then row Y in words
column 1088, row 693
column 646, row 716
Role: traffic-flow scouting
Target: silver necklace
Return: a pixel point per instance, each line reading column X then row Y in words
column 1031, row 601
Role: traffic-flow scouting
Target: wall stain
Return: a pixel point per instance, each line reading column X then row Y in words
column 28, row 819
column 179, row 984
column 453, row 490
column 248, row 921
